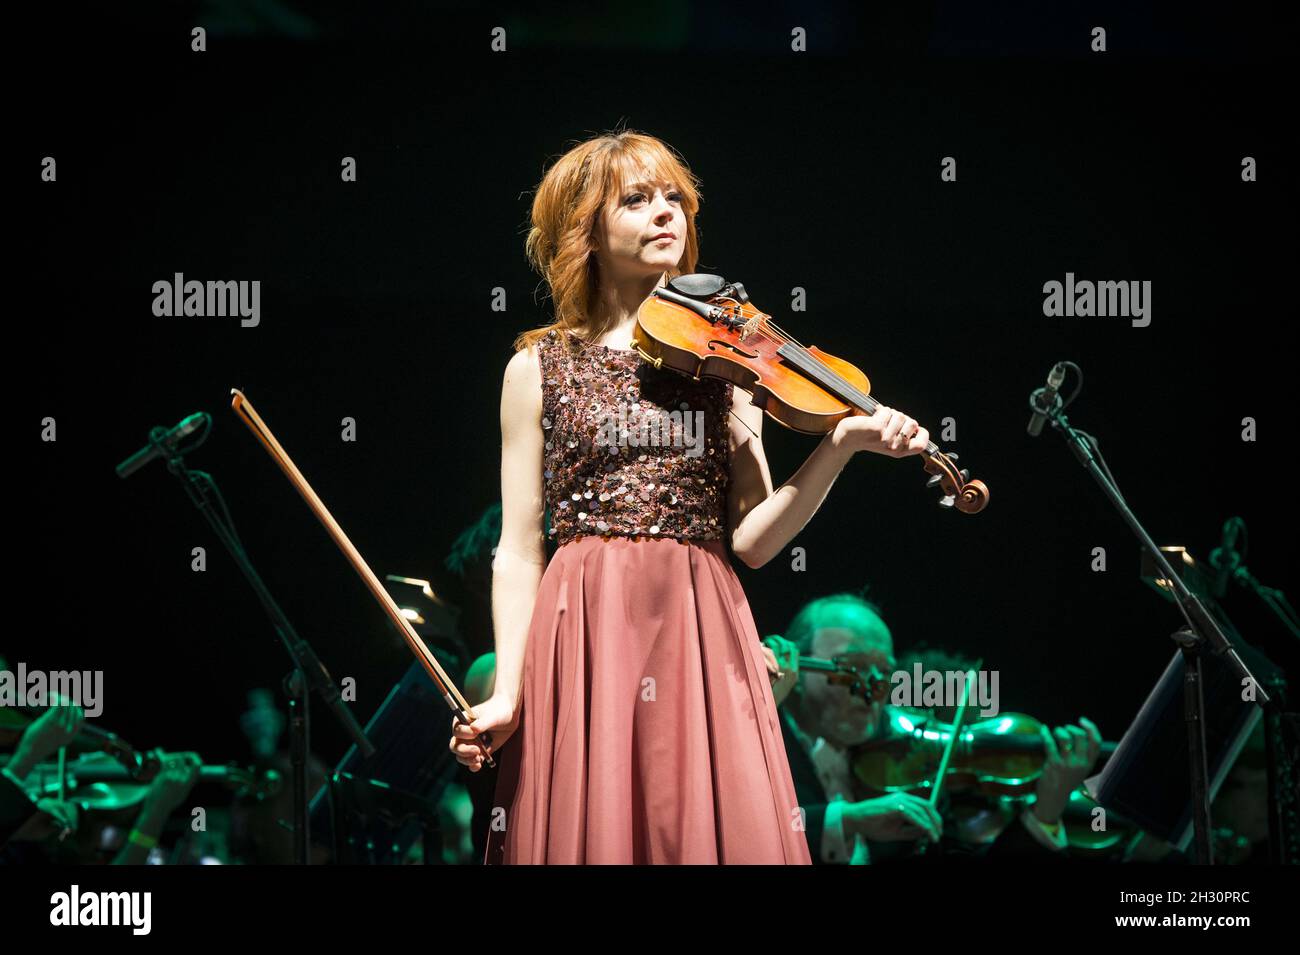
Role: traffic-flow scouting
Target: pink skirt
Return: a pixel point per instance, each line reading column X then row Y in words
column 648, row 731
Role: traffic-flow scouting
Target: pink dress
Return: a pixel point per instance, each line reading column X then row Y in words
column 648, row 731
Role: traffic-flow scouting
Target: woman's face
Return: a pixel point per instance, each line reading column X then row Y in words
column 642, row 230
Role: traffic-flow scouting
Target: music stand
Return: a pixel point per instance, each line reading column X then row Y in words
column 1147, row 777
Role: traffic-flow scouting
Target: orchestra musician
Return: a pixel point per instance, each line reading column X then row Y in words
column 822, row 722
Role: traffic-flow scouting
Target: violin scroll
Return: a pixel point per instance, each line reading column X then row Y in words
column 970, row 496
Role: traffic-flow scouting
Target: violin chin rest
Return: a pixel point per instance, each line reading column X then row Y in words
column 697, row 285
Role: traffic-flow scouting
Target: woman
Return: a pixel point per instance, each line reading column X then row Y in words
column 630, row 668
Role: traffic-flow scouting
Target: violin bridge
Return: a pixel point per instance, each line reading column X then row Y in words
column 750, row 327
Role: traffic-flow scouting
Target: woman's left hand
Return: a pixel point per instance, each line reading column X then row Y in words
column 886, row 431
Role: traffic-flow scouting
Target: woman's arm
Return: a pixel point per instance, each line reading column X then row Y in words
column 521, row 555
column 763, row 521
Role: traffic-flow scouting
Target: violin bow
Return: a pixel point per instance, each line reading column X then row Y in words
column 937, row 789
column 455, row 701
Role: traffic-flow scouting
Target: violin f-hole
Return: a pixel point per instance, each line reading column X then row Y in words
column 742, row 354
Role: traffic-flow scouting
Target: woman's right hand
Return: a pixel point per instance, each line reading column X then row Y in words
column 785, row 654
column 496, row 716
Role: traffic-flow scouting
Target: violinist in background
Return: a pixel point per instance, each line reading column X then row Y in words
column 25, row 820
column 822, row 722
column 47, row 835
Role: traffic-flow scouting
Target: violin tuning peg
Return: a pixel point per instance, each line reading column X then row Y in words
column 953, row 455
column 946, row 501
column 965, row 474
column 934, row 480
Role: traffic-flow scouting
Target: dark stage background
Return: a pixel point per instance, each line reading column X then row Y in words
column 820, row 171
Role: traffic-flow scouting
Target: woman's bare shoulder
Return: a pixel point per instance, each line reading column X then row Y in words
column 523, row 363
column 522, row 387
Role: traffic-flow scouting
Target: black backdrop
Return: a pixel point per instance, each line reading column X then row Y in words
column 820, row 171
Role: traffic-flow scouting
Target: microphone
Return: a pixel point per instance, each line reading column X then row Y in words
column 1047, row 399
column 154, row 449
column 1225, row 558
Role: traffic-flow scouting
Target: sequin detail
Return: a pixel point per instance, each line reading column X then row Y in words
column 622, row 488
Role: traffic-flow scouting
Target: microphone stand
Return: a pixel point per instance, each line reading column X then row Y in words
column 308, row 672
column 1281, row 730
column 1273, row 599
column 1200, row 634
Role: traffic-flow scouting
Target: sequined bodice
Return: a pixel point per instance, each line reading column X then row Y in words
column 630, row 450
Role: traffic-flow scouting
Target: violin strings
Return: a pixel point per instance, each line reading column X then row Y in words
column 863, row 400
column 774, row 331
column 867, row 402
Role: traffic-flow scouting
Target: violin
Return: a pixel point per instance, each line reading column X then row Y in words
column 110, row 797
column 14, row 721
column 1001, row 756
column 870, row 684
column 704, row 326
column 109, row 780
column 98, row 783
column 102, row 771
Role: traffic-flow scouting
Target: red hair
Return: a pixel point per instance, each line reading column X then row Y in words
column 567, row 206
